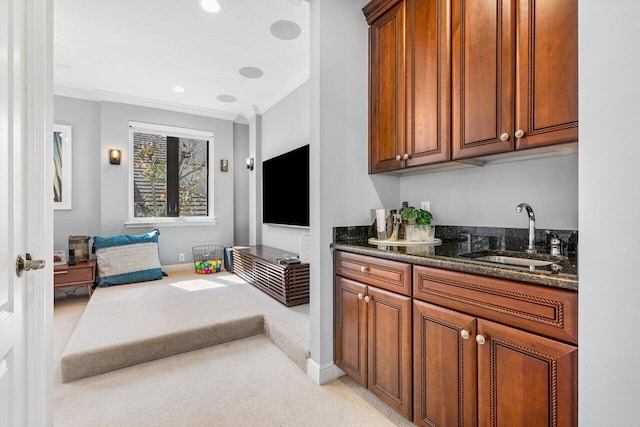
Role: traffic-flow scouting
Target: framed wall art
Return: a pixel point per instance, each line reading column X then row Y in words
column 62, row 167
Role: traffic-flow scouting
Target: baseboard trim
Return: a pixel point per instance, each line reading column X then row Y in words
column 323, row 374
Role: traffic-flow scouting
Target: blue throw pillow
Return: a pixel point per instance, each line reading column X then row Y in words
column 127, row 259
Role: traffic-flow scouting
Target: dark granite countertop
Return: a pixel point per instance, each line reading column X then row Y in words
column 458, row 241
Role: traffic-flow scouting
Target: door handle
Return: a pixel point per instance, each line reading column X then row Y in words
column 28, row 264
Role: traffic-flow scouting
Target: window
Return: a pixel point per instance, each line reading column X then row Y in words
column 169, row 174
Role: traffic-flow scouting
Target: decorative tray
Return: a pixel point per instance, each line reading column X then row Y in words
column 375, row 241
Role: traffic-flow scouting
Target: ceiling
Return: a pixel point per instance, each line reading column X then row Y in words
column 137, row 51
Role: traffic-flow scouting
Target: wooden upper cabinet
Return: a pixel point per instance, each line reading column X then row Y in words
column 386, row 85
column 428, row 81
column 483, row 61
column 514, row 75
column 547, row 74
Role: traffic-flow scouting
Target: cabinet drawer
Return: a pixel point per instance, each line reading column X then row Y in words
column 76, row 275
column 386, row 274
column 546, row 311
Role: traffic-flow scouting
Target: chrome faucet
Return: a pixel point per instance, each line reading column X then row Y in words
column 532, row 226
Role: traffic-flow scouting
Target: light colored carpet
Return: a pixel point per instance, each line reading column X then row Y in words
column 131, row 324
column 249, row 382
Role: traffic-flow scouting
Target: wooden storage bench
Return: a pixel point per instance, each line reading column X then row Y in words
column 80, row 274
column 258, row 265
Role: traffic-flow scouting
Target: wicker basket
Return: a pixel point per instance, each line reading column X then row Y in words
column 207, row 259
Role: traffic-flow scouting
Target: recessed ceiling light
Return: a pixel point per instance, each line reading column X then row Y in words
column 179, row 89
column 285, row 30
column 211, row 6
column 226, row 98
column 251, row 72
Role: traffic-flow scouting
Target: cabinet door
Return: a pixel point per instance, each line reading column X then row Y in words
column 445, row 370
column 547, row 74
column 482, row 77
column 525, row 379
column 387, row 90
column 351, row 329
column 390, row 348
column 429, row 81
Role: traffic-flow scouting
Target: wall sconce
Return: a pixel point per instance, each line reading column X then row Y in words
column 250, row 163
column 114, row 156
column 224, row 165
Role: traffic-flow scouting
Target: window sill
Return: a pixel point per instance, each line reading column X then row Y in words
column 170, row 222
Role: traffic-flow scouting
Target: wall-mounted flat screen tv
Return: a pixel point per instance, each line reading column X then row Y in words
column 285, row 188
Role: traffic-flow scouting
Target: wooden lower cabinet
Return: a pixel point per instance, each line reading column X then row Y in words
column 525, row 379
column 457, row 349
column 445, row 367
column 373, row 341
column 470, row 371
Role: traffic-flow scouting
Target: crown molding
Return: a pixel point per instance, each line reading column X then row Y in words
column 105, row 96
column 292, row 85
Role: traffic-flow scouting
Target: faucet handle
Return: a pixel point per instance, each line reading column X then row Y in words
column 552, row 234
column 557, row 246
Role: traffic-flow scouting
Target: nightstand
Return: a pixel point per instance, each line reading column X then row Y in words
column 81, row 274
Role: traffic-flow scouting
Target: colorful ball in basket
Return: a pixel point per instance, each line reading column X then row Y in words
column 208, row 266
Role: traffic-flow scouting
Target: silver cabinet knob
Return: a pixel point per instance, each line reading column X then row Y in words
column 406, row 156
column 364, row 269
column 504, row 136
column 359, row 296
column 464, row 334
column 398, row 158
column 519, row 133
column 367, row 298
column 480, row 339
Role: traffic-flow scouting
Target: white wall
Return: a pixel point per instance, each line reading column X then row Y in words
column 341, row 190
column 84, row 217
column 115, row 119
column 487, row 195
column 100, row 190
column 609, row 372
column 285, row 126
column 240, row 184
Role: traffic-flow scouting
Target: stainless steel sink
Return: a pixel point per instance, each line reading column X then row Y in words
column 520, row 259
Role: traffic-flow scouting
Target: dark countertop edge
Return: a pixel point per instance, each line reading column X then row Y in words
column 466, row 267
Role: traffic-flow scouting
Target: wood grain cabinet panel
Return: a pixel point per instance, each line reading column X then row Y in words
column 547, row 73
column 493, row 375
column 482, row 75
column 386, row 274
column 429, row 81
column 547, row 311
column 387, row 89
column 351, row 329
column 525, row 379
column 445, row 387
column 389, row 349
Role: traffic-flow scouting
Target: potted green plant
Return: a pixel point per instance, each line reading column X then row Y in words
column 410, row 215
column 426, row 230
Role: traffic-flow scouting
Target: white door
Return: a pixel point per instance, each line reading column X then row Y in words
column 26, row 371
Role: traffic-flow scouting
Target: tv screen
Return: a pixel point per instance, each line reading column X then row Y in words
column 285, row 188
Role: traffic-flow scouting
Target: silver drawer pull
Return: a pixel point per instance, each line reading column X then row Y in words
column 60, row 272
column 464, row 334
